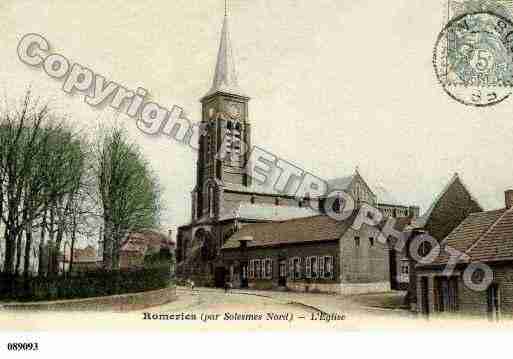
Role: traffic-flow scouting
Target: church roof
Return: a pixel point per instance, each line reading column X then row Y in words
column 267, row 212
column 383, row 196
column 341, row 183
column 225, row 77
column 255, row 188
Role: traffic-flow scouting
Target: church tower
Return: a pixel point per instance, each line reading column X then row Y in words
column 226, row 139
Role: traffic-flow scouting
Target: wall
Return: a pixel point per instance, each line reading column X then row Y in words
column 303, row 250
column 366, row 263
column 116, row 303
column 471, row 302
column 451, row 209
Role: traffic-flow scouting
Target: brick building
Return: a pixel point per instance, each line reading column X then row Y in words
column 452, row 205
column 485, row 237
column 140, row 244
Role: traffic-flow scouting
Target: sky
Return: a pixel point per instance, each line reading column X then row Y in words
column 334, row 84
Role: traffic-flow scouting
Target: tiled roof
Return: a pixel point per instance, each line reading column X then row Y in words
column 497, row 243
column 87, row 254
column 484, row 236
column 313, row 229
column 422, row 220
column 146, row 239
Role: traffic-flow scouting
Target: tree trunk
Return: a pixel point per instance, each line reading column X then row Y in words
column 57, row 249
column 19, row 240
column 28, row 247
column 41, row 264
column 51, row 241
column 8, row 258
column 107, row 245
column 115, row 251
column 72, row 249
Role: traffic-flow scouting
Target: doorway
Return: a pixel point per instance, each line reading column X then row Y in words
column 282, row 281
column 220, row 277
column 494, row 302
column 424, row 289
column 244, row 283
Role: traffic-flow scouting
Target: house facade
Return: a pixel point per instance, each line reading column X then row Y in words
column 140, row 244
column 316, row 254
column 484, row 237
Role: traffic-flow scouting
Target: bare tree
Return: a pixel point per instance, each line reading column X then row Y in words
column 42, row 163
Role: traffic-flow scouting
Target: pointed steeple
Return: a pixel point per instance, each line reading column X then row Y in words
column 225, row 77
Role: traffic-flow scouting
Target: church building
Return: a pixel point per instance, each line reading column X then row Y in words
column 228, row 207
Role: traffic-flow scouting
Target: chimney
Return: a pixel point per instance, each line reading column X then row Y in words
column 508, row 195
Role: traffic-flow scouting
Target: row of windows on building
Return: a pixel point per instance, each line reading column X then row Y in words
column 312, row 267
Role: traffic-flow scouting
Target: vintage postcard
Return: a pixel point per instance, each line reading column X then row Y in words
column 252, row 165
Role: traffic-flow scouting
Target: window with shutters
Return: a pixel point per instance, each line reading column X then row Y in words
column 321, row 267
column 308, row 268
column 257, row 269
column 314, row 267
column 297, row 268
column 252, row 269
column 269, row 268
column 283, row 268
column 328, row 267
column 357, row 242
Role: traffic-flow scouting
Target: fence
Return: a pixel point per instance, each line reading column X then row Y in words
column 84, row 285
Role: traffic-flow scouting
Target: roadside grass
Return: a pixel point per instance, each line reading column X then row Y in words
column 387, row 300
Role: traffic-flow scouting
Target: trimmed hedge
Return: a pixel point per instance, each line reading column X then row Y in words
column 85, row 285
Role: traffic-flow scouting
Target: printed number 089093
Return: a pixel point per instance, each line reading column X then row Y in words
column 23, row 346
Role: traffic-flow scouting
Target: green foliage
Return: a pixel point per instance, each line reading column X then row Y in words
column 164, row 256
column 128, row 190
column 86, row 285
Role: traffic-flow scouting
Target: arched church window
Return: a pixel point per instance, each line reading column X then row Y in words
column 229, row 138
column 237, row 141
column 211, row 200
column 209, row 147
